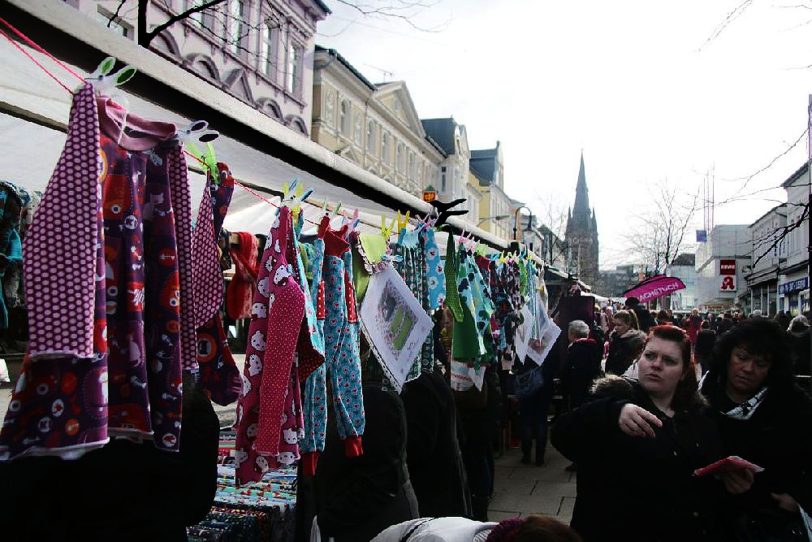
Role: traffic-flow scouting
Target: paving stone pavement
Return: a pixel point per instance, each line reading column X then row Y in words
column 520, row 490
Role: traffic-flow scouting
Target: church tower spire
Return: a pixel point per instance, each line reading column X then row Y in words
column 581, row 206
column 582, row 232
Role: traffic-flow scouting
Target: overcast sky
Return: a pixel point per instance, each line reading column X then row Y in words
column 636, row 83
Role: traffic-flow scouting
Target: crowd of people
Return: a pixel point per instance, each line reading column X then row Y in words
column 669, row 395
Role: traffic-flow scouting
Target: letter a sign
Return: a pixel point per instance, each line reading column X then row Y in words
column 728, row 283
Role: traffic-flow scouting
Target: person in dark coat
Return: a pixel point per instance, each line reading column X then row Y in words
column 479, row 411
column 124, row 491
column 799, row 342
column 358, row 497
column 433, row 453
column 625, row 343
column 637, row 444
column 583, row 363
column 764, row 417
column 645, row 320
column 703, row 349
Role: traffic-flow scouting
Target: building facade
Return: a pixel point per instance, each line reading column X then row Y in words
column 684, row 268
column 373, row 125
column 495, row 208
column 721, row 263
column 258, row 51
column 768, row 255
column 793, row 279
column 582, row 233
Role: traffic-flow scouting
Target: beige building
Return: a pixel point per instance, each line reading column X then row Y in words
column 373, row 125
column 258, row 51
column 495, row 207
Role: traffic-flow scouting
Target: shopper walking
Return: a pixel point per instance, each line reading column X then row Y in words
column 625, row 343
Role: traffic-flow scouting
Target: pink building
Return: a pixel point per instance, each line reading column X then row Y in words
column 259, row 51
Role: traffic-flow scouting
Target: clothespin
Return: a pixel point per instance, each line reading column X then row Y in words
column 289, row 191
column 387, row 231
column 355, row 220
column 403, row 221
column 301, row 197
column 102, row 79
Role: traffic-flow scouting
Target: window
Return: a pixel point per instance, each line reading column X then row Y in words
column 236, row 25
column 294, row 72
column 330, row 108
column 385, row 148
column 412, row 166
column 371, row 137
column 267, row 49
column 345, row 117
column 356, row 132
column 442, row 179
column 203, row 19
column 399, row 162
column 116, row 24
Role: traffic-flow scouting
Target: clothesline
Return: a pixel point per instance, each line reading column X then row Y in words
column 42, row 50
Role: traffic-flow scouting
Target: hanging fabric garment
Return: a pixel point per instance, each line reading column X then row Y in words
column 267, row 401
column 435, row 270
column 59, row 406
column 11, row 250
column 219, row 374
column 452, row 267
column 411, row 267
column 238, row 295
column 131, row 290
column 340, row 331
column 314, row 405
column 370, row 251
column 311, row 339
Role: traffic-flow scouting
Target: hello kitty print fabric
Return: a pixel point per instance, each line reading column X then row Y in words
column 268, row 418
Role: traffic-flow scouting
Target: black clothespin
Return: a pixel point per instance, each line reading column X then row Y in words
column 444, row 210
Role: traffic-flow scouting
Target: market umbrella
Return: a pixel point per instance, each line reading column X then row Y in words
column 654, row 287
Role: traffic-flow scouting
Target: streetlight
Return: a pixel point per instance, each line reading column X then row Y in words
column 516, row 221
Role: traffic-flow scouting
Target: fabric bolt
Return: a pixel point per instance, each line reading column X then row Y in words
column 265, row 406
column 452, row 264
column 238, row 295
column 219, row 374
column 59, row 406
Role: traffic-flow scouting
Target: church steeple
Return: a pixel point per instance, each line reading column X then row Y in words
column 581, row 207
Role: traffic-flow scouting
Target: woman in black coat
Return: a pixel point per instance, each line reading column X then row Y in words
column 637, row 445
column 625, row 343
column 764, row 417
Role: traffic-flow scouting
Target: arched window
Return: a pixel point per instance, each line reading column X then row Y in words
column 412, row 166
column 345, row 117
column 401, row 159
column 371, row 137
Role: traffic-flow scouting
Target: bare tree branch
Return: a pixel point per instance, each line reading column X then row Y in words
column 734, row 14
column 404, row 10
column 146, row 36
column 781, row 233
column 115, row 15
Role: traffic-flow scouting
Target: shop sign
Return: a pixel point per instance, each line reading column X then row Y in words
column 727, row 267
column 728, row 283
column 429, row 195
column 794, row 286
